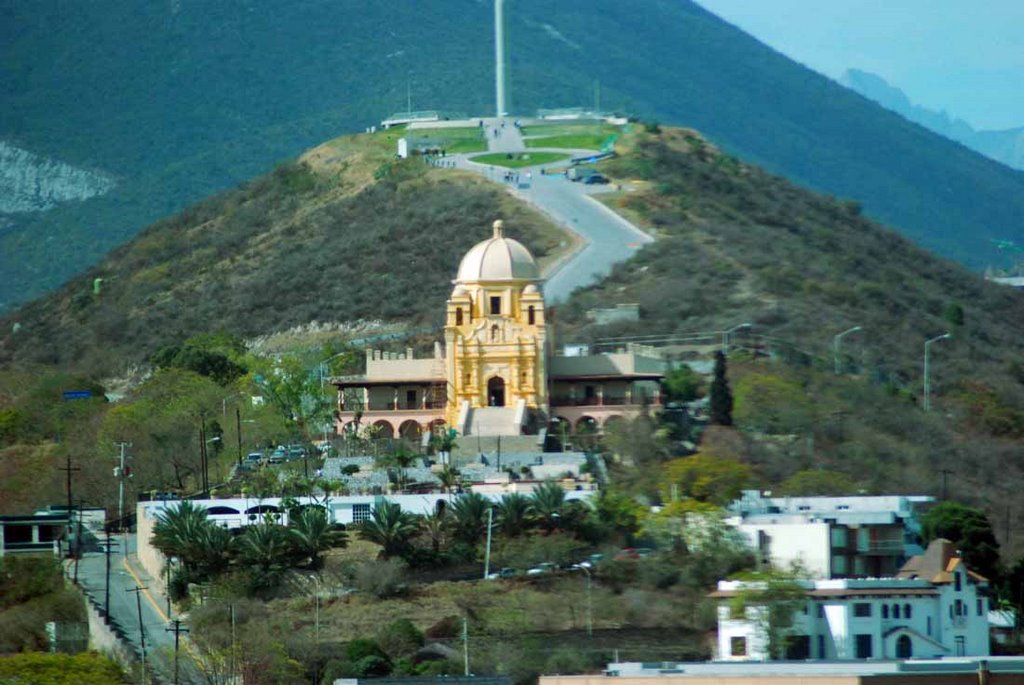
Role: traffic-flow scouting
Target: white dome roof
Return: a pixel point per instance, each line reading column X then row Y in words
column 498, row 259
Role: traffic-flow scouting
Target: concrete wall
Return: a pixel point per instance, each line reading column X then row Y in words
column 807, row 544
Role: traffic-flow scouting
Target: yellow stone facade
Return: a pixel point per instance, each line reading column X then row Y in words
column 496, row 338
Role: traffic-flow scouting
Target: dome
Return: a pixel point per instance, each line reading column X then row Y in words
column 498, row 259
column 458, row 291
column 531, row 289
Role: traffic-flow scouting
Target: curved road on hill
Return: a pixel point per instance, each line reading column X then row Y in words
column 607, row 238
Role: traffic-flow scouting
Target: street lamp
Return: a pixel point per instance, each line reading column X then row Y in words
column 323, row 366
column 927, row 379
column 835, row 345
column 726, row 335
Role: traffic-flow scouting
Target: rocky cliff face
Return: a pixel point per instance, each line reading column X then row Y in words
column 1006, row 146
column 30, row 183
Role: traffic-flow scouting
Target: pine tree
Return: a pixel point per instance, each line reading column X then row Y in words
column 721, row 396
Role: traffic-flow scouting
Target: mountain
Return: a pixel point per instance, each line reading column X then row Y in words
column 1006, row 146
column 176, row 100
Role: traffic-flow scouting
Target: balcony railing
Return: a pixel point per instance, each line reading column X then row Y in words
column 391, row 406
column 602, row 401
column 880, row 547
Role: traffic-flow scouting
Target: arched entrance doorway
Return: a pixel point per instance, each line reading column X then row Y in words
column 904, row 648
column 496, row 392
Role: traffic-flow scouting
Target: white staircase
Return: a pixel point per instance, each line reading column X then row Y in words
column 493, row 421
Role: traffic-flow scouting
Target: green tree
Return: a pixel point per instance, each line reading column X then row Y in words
column 312, row 534
column 297, row 394
column 266, row 551
column 721, row 395
column 513, row 514
column 184, row 531
column 705, row 478
column 774, row 598
column 683, row 384
column 772, row 404
column 953, row 313
column 469, row 517
column 389, row 527
column 548, row 502
column 967, row 528
column 819, row 482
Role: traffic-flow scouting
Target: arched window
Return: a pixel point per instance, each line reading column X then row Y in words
column 458, row 316
column 494, row 333
column 895, row 610
column 904, row 647
column 531, row 315
column 906, row 611
column 885, row 611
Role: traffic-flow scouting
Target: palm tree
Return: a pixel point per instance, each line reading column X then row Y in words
column 469, row 517
column 178, row 533
column 548, row 500
column 514, row 512
column 213, row 546
column 450, row 478
column 266, row 549
column 435, row 525
column 311, row 534
column 389, row 527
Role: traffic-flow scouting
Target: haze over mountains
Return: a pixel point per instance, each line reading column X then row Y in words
column 178, row 100
column 1006, row 146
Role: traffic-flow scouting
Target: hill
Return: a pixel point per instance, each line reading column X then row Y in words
column 175, row 101
column 344, row 234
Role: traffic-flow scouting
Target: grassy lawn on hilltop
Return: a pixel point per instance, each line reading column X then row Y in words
column 581, row 136
column 519, row 160
column 453, row 140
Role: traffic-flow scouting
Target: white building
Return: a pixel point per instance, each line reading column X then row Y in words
column 935, row 607
column 831, row 537
column 238, row 512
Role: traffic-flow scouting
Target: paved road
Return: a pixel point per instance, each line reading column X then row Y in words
column 608, row 238
column 124, row 609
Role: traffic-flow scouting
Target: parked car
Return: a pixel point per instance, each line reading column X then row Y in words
column 296, row 452
column 278, row 456
column 507, row 572
column 596, row 179
column 590, row 562
column 254, row 457
column 542, row 569
column 633, row 553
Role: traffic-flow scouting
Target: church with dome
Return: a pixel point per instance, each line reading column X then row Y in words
column 496, row 373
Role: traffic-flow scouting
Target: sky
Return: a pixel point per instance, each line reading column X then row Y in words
column 962, row 56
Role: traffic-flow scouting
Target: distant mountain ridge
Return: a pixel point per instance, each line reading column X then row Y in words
column 180, row 100
column 1006, row 146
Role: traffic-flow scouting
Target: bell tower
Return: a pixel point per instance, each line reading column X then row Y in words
column 495, row 334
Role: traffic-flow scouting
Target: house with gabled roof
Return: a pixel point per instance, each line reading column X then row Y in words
column 935, row 606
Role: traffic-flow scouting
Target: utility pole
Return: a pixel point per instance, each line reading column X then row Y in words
column 78, row 538
column 465, row 639
column 231, row 608
column 945, row 473
column 177, row 630
column 238, row 430
column 68, row 469
column 487, row 553
column 121, row 472
column 142, row 629
column 202, row 456
column 927, row 377
column 106, row 596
